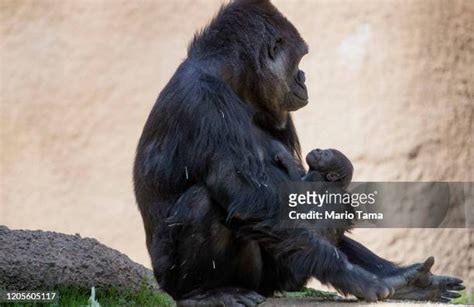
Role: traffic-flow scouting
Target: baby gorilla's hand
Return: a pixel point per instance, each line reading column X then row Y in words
column 286, row 160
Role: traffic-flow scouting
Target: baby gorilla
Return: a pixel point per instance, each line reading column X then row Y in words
column 329, row 165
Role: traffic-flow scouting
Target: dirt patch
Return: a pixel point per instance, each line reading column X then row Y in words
column 34, row 260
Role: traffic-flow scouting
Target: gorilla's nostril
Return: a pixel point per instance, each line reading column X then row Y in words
column 318, row 150
column 301, row 77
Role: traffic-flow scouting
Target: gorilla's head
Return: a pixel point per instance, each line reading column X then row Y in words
column 331, row 163
column 258, row 51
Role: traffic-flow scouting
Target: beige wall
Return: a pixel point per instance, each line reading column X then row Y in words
column 390, row 84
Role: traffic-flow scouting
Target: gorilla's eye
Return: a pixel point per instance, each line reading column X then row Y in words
column 275, row 48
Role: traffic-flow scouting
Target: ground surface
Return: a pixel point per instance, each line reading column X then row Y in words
column 71, row 265
column 307, row 302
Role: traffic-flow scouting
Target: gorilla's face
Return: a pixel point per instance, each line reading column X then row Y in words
column 331, row 163
column 268, row 50
column 284, row 55
column 321, row 160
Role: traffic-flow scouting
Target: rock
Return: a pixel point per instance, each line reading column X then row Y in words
column 34, row 260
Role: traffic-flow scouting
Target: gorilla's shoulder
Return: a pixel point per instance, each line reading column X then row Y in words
column 195, row 93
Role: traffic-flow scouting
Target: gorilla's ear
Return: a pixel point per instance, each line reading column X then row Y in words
column 275, row 47
column 332, row 176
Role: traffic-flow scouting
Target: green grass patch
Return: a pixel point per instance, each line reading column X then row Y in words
column 78, row 297
column 464, row 299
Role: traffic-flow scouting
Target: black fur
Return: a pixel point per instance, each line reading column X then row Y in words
column 205, row 179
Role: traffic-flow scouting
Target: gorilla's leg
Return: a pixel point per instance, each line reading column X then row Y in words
column 300, row 254
column 225, row 296
column 198, row 260
column 361, row 256
column 414, row 282
column 216, row 268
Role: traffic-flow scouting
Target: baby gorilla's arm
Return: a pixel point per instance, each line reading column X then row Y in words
column 314, row 176
column 285, row 159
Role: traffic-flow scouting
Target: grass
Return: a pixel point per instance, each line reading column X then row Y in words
column 464, row 299
column 78, row 297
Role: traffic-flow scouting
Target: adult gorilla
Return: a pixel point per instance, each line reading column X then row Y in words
column 207, row 186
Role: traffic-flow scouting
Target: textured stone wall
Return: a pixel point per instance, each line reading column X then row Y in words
column 391, row 84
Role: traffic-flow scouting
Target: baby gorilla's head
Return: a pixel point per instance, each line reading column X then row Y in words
column 332, row 164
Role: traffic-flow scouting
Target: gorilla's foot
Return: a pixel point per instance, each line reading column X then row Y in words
column 223, row 297
column 362, row 284
column 416, row 282
column 372, row 292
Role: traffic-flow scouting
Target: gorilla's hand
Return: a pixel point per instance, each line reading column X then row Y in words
column 417, row 283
